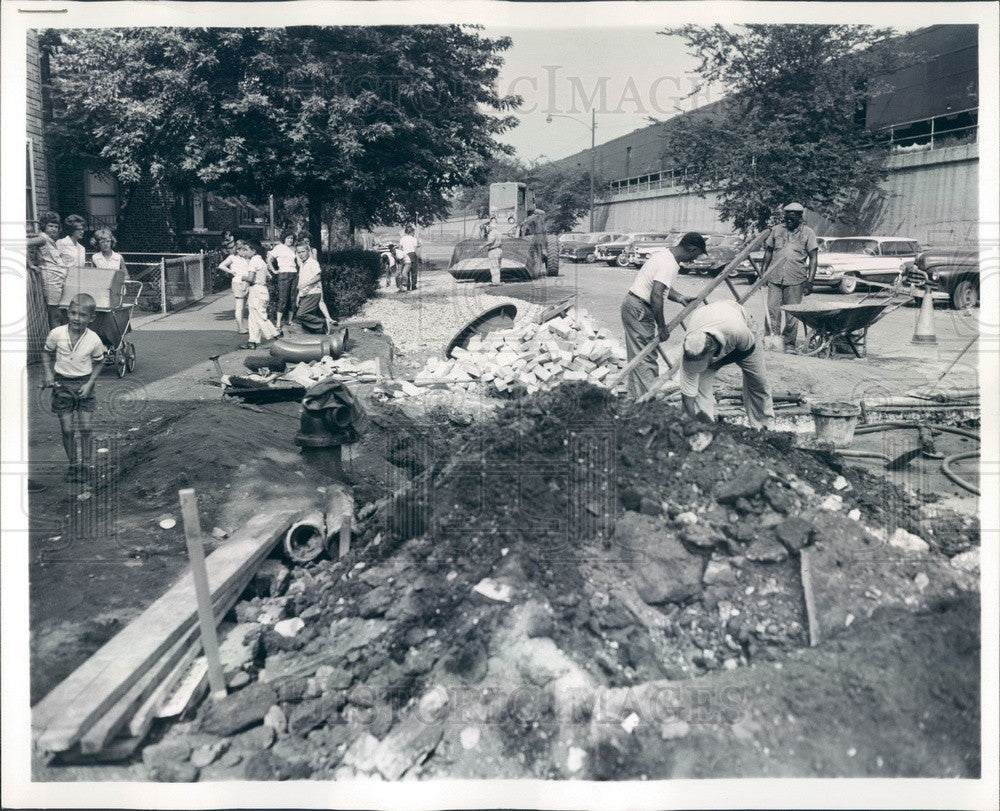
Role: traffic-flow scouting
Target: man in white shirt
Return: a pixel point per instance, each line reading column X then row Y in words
column 408, row 244
column 718, row 335
column 642, row 308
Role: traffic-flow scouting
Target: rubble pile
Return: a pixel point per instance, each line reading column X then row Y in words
column 527, row 358
column 501, row 614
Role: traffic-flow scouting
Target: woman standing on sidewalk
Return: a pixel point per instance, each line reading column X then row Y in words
column 51, row 268
column 236, row 266
column 261, row 329
column 281, row 259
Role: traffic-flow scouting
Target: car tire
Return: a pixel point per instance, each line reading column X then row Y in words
column 622, row 260
column 848, row 284
column 591, row 258
column 965, row 296
column 684, row 271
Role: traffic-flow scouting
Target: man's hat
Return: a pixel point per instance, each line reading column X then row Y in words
column 694, row 344
column 694, row 240
column 794, row 207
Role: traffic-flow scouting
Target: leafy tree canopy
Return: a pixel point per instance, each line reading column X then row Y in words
column 382, row 122
column 793, row 124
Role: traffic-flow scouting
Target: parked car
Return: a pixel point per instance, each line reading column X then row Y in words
column 616, row 251
column 571, row 236
column 850, row 261
column 641, row 249
column 722, row 248
column 954, row 273
column 585, row 248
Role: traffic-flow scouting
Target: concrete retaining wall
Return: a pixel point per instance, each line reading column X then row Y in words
column 930, row 196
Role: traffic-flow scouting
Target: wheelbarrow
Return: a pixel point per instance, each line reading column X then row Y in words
column 842, row 328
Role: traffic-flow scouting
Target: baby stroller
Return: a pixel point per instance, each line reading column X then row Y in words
column 116, row 297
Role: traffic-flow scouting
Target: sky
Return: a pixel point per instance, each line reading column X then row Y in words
column 629, row 74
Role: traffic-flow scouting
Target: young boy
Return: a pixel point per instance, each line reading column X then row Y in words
column 310, row 297
column 72, row 362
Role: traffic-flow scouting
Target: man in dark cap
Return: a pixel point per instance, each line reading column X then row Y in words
column 791, row 248
column 642, row 308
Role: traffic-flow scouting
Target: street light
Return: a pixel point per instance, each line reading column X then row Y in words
column 593, row 133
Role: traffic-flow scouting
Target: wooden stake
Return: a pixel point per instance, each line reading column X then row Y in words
column 811, row 618
column 345, row 534
column 206, row 616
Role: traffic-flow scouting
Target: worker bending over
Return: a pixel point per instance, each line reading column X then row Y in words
column 642, row 308
column 718, row 335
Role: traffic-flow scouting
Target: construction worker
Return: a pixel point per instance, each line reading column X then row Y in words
column 494, row 251
column 791, row 248
column 642, row 307
column 718, row 335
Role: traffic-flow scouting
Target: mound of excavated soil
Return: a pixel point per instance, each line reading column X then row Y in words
column 495, row 609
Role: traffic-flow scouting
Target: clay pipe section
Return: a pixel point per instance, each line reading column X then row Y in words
column 306, row 539
column 306, row 350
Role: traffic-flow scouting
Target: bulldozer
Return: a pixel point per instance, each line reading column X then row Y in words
column 528, row 251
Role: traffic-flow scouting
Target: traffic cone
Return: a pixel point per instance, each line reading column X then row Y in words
column 924, row 333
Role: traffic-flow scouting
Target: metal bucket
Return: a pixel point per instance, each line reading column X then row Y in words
column 835, row 422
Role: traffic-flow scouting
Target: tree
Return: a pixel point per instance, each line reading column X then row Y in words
column 792, row 126
column 379, row 122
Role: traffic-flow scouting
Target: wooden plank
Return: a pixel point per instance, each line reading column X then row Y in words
column 203, row 594
column 64, row 714
column 101, row 734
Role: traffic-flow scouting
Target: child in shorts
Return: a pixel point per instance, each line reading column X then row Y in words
column 72, row 361
column 236, row 266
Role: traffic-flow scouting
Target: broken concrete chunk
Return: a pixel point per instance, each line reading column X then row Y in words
column 206, row 755
column 493, row 590
column 701, row 535
column 674, row 728
column 746, row 483
column 408, row 744
column 766, row 550
column 907, row 541
column 240, row 710
column 719, row 572
column 794, row 533
column 174, row 773
column 289, row 628
column 166, row 752
column 967, row 561
column 275, row 718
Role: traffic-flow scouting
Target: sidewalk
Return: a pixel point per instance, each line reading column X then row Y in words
column 210, row 310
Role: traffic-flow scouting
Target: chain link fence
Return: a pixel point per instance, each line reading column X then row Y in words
column 174, row 281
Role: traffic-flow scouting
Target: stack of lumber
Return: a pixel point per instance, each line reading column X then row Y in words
column 529, row 355
column 105, row 708
column 308, row 374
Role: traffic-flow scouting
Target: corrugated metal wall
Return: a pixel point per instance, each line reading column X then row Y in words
column 932, row 197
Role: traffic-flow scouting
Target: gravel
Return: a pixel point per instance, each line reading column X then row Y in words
column 426, row 319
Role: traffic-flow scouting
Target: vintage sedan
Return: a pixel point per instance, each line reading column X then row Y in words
column 640, row 250
column 616, row 252
column 850, row 261
column 722, row 249
column 584, row 249
column 572, row 236
column 953, row 274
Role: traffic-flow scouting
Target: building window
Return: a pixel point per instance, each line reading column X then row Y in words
column 102, row 200
column 29, row 175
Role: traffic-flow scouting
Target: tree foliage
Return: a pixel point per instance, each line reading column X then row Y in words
column 380, row 122
column 792, row 126
column 563, row 193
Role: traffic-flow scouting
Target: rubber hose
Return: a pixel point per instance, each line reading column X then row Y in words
column 885, row 426
column 951, row 474
column 863, row 455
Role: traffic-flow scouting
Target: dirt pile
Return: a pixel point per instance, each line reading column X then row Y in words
column 500, row 609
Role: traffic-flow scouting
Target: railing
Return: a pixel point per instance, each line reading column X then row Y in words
column 935, row 132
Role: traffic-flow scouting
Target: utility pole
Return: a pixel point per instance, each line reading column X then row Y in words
column 593, row 136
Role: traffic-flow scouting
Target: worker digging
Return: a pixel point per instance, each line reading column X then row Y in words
column 520, row 473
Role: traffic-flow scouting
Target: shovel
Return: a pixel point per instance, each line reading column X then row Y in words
column 772, row 343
